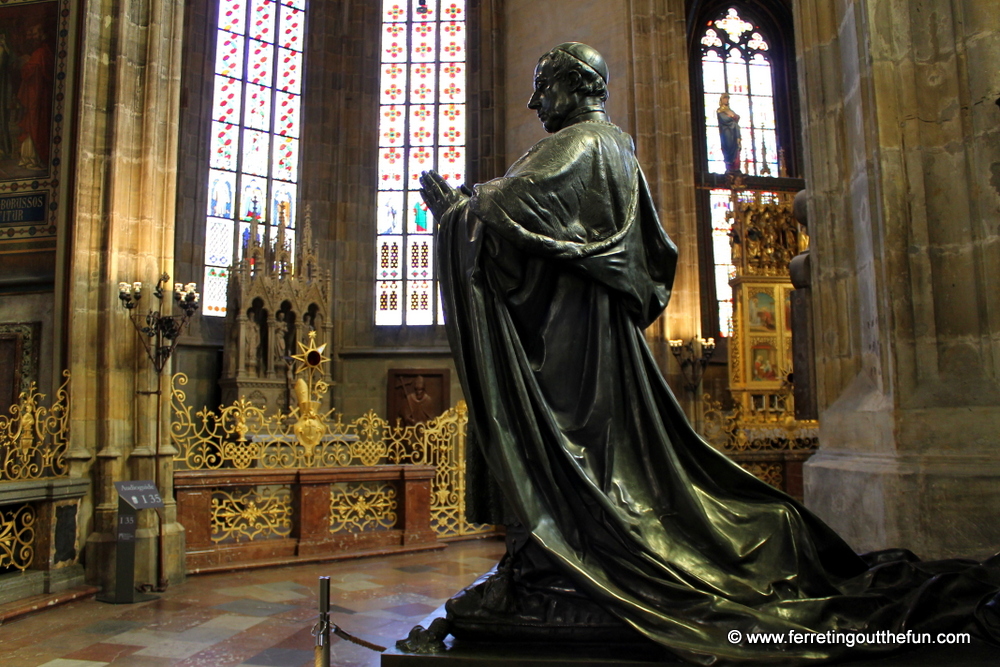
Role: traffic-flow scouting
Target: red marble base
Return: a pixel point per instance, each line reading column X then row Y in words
column 310, row 539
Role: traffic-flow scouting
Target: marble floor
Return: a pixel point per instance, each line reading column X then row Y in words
column 264, row 617
column 252, row 617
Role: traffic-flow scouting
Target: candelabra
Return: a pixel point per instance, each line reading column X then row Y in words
column 692, row 361
column 159, row 332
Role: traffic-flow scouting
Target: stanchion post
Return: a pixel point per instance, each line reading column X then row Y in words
column 323, row 627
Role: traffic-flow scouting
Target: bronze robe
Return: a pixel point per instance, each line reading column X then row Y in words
column 550, row 274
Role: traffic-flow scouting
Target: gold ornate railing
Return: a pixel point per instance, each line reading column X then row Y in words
column 241, row 436
column 766, row 440
column 17, row 537
column 359, row 506
column 771, row 428
column 251, row 513
column 33, row 437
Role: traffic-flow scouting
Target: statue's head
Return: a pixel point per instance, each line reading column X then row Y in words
column 724, row 100
column 570, row 76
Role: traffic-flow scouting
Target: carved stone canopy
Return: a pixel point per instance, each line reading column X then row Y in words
column 273, row 305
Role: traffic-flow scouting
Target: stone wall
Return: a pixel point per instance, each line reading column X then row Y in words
column 902, row 140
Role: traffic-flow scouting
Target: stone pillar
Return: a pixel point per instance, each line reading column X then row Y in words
column 658, row 85
column 903, row 151
column 123, row 230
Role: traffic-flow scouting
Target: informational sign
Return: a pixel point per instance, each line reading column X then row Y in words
column 126, row 526
column 141, row 494
column 133, row 496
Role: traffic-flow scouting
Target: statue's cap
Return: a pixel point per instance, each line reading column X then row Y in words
column 588, row 55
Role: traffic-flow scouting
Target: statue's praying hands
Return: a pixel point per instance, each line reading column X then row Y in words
column 438, row 194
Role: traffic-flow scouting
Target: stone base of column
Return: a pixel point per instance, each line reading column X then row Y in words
column 937, row 506
column 99, row 555
column 146, row 541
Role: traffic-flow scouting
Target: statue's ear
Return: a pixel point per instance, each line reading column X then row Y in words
column 574, row 79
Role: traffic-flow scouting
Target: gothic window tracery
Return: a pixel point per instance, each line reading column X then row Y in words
column 735, row 61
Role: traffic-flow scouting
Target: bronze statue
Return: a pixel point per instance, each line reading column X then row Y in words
column 623, row 524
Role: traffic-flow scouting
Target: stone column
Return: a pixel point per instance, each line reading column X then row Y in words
column 903, row 152
column 123, row 230
column 660, row 115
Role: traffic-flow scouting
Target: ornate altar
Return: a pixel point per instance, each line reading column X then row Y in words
column 764, row 239
column 274, row 301
column 761, row 431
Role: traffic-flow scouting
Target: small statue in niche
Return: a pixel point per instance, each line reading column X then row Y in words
column 252, row 340
column 280, row 351
column 280, row 346
column 729, row 135
column 303, row 329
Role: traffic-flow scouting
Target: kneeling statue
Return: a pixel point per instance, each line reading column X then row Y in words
column 623, row 524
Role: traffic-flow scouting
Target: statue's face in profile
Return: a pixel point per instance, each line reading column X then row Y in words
column 554, row 97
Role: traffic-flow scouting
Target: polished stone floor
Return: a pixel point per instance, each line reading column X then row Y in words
column 253, row 617
column 264, row 617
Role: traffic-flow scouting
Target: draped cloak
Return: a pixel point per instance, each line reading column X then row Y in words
column 550, row 274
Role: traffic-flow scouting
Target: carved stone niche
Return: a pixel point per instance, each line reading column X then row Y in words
column 273, row 304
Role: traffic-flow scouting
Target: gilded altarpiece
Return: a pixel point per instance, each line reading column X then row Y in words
column 761, row 432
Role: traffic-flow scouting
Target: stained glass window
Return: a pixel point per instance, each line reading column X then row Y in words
column 724, row 270
column 720, row 202
column 256, row 128
column 736, row 61
column 421, row 127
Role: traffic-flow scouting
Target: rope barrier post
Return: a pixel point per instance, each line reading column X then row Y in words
column 322, row 629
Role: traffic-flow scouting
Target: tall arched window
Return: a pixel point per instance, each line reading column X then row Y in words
column 735, row 62
column 256, row 124
column 743, row 50
column 421, row 126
